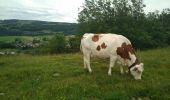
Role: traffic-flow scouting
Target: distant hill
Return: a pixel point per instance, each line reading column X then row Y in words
column 31, row 27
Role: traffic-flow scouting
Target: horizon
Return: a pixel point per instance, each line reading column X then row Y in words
column 37, row 20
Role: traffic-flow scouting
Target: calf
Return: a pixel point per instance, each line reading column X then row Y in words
column 116, row 47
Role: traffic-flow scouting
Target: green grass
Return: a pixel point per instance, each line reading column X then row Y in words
column 26, row 77
column 12, row 38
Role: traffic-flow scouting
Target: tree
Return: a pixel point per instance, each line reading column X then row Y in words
column 111, row 16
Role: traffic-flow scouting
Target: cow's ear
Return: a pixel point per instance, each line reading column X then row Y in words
column 142, row 66
column 139, row 68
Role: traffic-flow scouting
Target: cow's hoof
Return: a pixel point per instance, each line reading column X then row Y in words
column 90, row 71
column 109, row 74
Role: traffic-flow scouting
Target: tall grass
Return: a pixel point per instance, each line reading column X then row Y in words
column 62, row 77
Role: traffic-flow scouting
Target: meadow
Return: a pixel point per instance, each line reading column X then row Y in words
column 62, row 77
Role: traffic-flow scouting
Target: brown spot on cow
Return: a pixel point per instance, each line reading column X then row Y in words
column 124, row 50
column 98, row 48
column 95, row 37
column 103, row 45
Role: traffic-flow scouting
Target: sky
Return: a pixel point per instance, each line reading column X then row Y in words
column 56, row 10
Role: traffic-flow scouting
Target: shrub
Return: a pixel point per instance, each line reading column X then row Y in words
column 74, row 44
column 18, row 40
column 45, row 39
column 57, row 44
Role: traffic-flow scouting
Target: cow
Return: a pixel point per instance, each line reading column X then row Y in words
column 115, row 47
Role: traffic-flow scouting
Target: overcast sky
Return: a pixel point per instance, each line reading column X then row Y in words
column 56, row 10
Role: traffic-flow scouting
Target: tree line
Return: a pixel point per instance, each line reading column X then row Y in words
column 126, row 17
column 30, row 27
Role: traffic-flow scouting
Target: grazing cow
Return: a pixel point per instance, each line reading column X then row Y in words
column 116, row 47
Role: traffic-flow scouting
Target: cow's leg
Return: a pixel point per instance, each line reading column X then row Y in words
column 112, row 62
column 121, row 70
column 85, row 66
column 87, row 62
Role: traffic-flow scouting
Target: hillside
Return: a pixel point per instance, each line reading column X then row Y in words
column 31, row 27
column 62, row 77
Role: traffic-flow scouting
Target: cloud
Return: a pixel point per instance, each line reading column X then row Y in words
column 31, row 13
column 153, row 5
column 47, row 10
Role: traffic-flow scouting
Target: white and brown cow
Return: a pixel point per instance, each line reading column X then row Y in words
column 116, row 47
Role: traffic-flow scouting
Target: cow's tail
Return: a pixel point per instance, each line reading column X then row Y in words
column 81, row 48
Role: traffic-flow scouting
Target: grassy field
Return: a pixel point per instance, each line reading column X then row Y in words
column 62, row 77
column 12, row 38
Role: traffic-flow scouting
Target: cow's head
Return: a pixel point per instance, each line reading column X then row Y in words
column 136, row 71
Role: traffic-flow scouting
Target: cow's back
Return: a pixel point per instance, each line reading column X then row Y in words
column 102, row 45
